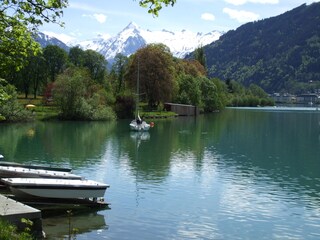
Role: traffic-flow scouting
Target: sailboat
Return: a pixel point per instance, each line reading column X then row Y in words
column 138, row 124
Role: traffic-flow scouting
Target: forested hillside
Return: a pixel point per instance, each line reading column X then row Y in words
column 281, row 53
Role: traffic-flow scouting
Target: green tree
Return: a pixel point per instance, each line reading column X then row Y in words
column 56, row 58
column 189, row 90
column 96, row 64
column 118, row 70
column 33, row 75
column 10, row 109
column 19, row 19
column 156, row 70
column 79, row 97
column 76, row 56
column 200, row 56
column 155, row 5
column 257, row 91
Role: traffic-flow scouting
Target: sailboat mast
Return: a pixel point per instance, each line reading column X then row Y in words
column 138, row 78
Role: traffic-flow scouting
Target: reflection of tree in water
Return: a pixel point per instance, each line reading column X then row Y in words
column 56, row 141
column 11, row 135
column 151, row 160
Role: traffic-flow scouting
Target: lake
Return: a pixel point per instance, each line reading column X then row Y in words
column 237, row 174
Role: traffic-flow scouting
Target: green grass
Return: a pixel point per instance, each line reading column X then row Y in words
column 46, row 112
column 9, row 232
column 158, row 114
column 42, row 111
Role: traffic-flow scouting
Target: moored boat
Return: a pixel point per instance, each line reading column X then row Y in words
column 55, row 188
column 13, row 164
column 12, row 172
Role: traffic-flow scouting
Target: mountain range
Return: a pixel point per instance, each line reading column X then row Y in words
column 132, row 37
column 280, row 53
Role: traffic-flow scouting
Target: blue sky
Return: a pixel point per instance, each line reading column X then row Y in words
column 86, row 19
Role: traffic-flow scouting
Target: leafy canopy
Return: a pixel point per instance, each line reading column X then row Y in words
column 19, row 19
column 156, row 5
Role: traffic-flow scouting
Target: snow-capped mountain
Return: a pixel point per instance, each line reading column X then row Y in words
column 46, row 40
column 132, row 37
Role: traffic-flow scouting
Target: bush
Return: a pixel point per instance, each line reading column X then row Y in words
column 10, row 108
column 9, row 232
column 80, row 98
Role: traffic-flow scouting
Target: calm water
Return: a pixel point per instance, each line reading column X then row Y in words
column 239, row 174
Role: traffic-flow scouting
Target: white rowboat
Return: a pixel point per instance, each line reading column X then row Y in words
column 10, row 171
column 55, row 188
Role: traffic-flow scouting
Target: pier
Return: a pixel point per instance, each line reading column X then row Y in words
column 14, row 211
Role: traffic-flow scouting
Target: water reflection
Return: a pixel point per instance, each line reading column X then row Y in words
column 64, row 226
column 231, row 175
column 67, row 143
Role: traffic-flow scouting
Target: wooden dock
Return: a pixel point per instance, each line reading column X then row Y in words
column 14, row 211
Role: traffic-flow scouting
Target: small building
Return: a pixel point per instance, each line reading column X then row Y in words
column 182, row 109
column 283, row 98
column 308, row 98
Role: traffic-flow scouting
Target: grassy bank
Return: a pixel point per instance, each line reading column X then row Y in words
column 9, row 232
column 46, row 112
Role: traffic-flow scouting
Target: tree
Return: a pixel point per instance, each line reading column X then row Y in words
column 189, row 90
column 156, row 70
column 118, row 71
column 96, row 64
column 76, row 56
column 55, row 58
column 156, row 5
column 79, row 97
column 32, row 75
column 19, row 19
column 200, row 56
column 10, row 109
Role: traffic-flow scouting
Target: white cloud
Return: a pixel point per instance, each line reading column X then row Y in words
column 241, row 2
column 101, row 18
column 207, row 16
column 241, row 16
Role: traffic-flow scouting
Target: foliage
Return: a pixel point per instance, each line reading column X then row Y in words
column 213, row 94
column 253, row 96
column 117, row 73
column 32, row 76
column 278, row 54
column 92, row 60
column 10, row 109
column 154, row 64
column 125, row 105
column 190, row 67
column 96, row 64
column 79, row 97
column 56, row 59
column 200, row 56
column 76, row 56
column 189, row 90
column 155, row 5
column 10, row 232
column 18, row 20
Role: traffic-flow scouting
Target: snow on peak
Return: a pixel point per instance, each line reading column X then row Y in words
column 132, row 37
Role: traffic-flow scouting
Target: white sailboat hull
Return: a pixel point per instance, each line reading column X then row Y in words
column 55, row 188
column 143, row 126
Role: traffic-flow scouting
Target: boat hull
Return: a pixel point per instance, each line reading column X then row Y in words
column 55, row 188
column 10, row 171
column 139, row 127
